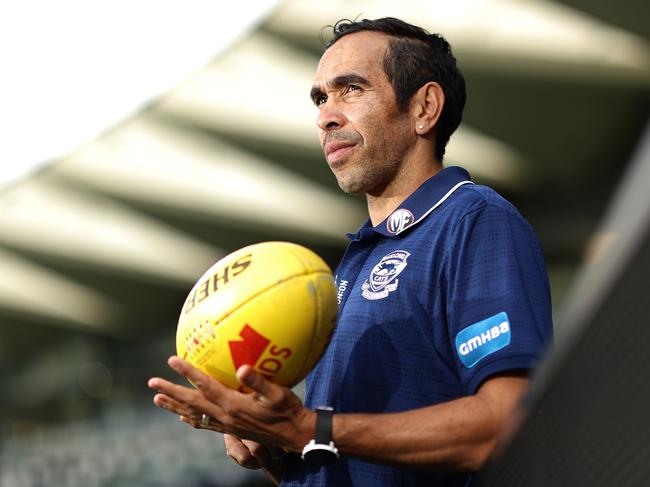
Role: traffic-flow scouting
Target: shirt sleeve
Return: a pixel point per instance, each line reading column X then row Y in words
column 497, row 295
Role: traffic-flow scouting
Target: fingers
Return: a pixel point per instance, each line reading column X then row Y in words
column 268, row 415
column 196, row 421
column 260, row 452
column 170, row 404
column 250, row 454
column 180, row 394
column 211, row 387
column 185, row 402
column 194, row 375
column 266, row 392
column 165, row 400
column 186, row 413
column 240, row 453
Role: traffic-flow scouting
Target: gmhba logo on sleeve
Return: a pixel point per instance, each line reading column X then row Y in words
column 481, row 339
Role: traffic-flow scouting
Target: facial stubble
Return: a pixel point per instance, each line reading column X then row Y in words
column 374, row 169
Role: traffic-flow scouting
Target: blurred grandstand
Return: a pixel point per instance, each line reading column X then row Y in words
column 586, row 414
column 99, row 247
column 122, row 449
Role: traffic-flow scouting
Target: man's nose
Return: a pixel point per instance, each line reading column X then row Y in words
column 330, row 118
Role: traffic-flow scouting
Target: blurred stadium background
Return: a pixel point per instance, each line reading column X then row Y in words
column 142, row 141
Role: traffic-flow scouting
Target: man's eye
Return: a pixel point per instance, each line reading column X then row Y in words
column 352, row 88
column 320, row 100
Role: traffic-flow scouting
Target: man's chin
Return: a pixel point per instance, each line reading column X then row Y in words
column 353, row 181
column 350, row 187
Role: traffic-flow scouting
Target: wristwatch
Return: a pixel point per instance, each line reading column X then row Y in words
column 321, row 450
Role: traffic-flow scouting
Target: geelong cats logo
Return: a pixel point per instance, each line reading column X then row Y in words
column 383, row 278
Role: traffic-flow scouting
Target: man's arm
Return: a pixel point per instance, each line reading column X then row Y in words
column 458, row 435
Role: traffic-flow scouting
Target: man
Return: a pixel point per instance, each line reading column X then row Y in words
column 444, row 302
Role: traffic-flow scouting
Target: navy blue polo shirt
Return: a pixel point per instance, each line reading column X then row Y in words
column 449, row 290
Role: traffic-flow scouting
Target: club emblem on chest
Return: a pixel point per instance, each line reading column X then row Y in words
column 383, row 277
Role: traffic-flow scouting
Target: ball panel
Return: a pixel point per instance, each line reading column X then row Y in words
column 276, row 331
column 242, row 275
column 310, row 261
column 326, row 313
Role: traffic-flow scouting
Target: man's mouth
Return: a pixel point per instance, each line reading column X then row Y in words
column 337, row 150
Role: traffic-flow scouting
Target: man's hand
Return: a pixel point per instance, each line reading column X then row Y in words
column 270, row 415
column 250, row 454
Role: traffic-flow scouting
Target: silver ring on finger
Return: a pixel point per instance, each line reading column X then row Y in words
column 205, row 421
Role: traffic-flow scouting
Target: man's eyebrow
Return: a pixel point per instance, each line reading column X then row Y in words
column 339, row 82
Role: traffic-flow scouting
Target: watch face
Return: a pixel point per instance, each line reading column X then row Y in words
column 320, row 456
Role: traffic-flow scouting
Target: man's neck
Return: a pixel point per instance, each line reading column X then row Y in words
column 405, row 182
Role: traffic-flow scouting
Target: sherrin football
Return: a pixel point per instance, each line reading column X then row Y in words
column 271, row 305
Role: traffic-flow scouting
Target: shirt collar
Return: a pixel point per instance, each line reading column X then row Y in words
column 431, row 194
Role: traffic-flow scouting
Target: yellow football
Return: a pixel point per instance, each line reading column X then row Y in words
column 271, row 305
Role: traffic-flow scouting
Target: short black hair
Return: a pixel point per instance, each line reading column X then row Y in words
column 415, row 57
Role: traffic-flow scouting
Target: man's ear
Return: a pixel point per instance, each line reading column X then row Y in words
column 426, row 106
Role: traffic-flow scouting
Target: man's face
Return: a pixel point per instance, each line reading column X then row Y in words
column 363, row 134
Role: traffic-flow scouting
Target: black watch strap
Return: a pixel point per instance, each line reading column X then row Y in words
column 321, row 450
column 324, row 425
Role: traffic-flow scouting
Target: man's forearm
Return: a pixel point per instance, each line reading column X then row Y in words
column 455, row 436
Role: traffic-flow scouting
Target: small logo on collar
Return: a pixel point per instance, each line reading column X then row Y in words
column 399, row 220
column 383, row 278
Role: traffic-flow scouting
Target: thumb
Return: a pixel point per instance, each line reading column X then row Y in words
column 265, row 390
